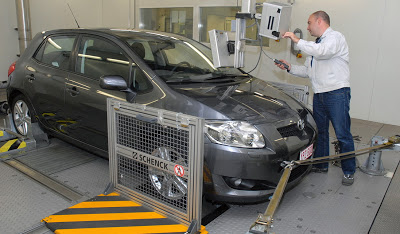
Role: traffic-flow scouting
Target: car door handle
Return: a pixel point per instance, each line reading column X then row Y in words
column 73, row 91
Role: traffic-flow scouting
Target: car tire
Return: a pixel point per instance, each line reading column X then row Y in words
column 166, row 184
column 22, row 114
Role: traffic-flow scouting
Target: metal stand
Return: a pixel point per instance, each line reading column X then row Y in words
column 337, row 151
column 374, row 165
column 263, row 224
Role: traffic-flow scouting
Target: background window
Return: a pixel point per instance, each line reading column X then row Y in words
column 221, row 18
column 56, row 51
column 174, row 20
column 98, row 57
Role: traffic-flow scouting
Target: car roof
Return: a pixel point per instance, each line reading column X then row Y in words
column 117, row 32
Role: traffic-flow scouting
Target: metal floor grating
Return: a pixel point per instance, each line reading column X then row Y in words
column 57, row 157
column 387, row 218
column 24, row 202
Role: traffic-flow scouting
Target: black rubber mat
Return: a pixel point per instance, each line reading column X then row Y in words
column 57, row 157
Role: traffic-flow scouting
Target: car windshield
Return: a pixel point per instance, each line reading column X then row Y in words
column 176, row 60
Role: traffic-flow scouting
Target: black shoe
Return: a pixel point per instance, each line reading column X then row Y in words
column 319, row 170
column 348, row 179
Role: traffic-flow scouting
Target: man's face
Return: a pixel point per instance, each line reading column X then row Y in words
column 313, row 26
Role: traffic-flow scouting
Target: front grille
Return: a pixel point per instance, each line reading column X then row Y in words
column 290, row 130
column 297, row 172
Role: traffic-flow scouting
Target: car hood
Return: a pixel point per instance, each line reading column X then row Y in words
column 247, row 101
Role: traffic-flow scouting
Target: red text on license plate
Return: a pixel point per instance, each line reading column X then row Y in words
column 306, row 153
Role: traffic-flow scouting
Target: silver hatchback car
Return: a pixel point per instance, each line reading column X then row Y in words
column 65, row 76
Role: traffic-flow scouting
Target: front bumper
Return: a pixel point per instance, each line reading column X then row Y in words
column 242, row 175
column 223, row 193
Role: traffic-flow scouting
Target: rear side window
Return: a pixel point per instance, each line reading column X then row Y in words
column 98, row 57
column 56, row 51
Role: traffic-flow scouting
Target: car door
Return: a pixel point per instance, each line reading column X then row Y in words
column 46, row 73
column 85, row 100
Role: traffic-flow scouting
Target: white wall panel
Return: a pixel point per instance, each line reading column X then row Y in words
column 50, row 14
column 8, row 37
column 116, row 14
column 385, row 93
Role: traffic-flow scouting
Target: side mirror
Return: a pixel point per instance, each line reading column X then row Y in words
column 113, row 83
column 117, row 83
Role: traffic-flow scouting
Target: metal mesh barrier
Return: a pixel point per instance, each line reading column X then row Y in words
column 156, row 157
column 143, row 136
column 135, row 175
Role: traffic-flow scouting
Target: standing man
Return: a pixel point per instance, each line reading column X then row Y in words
column 328, row 68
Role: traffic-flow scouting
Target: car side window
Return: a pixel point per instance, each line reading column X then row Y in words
column 140, row 83
column 98, row 57
column 56, row 51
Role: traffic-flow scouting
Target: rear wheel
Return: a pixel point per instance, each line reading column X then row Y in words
column 22, row 115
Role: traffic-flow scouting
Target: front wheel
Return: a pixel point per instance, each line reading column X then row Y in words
column 22, row 115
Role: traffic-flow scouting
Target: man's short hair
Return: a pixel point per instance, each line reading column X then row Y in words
column 323, row 15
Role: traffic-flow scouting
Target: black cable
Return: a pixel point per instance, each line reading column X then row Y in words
column 259, row 57
column 262, row 47
column 259, row 38
column 251, row 25
column 267, row 55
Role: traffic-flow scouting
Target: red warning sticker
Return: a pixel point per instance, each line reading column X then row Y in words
column 179, row 171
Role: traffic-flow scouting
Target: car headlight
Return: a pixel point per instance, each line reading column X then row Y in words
column 234, row 133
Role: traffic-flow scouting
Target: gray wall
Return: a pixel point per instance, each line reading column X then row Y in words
column 369, row 26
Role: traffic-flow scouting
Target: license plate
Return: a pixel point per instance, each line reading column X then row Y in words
column 307, row 152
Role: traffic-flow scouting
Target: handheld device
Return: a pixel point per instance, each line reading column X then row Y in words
column 280, row 63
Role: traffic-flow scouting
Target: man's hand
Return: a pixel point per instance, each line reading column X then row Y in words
column 281, row 66
column 292, row 36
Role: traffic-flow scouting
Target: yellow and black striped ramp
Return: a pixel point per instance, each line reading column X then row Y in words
column 12, row 144
column 112, row 214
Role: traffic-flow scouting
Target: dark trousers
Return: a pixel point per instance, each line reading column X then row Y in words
column 334, row 106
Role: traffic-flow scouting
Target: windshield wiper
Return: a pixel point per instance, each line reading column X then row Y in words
column 207, row 78
column 210, row 76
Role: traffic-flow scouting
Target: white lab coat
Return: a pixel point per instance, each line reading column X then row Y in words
column 330, row 66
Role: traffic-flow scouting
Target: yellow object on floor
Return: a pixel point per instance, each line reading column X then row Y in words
column 12, row 144
column 112, row 214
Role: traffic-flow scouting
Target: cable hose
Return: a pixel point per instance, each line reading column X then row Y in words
column 259, row 56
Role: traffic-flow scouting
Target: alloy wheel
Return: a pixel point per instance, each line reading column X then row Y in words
column 21, row 117
column 168, row 184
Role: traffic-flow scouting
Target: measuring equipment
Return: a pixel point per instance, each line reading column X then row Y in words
column 275, row 21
